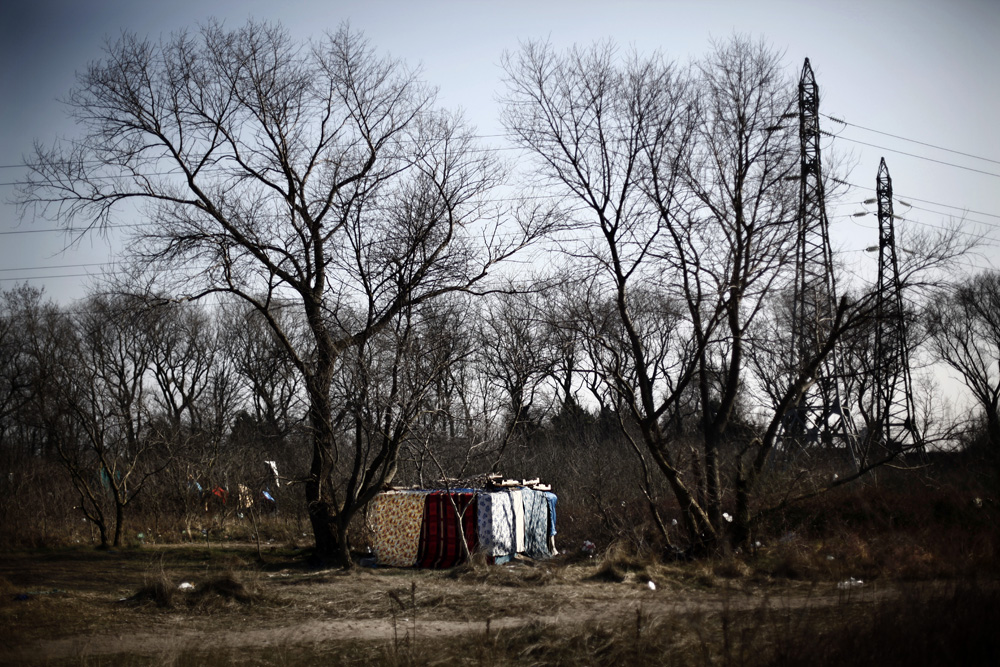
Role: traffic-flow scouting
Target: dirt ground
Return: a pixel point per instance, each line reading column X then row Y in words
column 126, row 606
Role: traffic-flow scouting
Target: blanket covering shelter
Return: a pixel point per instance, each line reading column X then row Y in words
column 496, row 524
column 439, row 539
column 397, row 517
column 421, row 527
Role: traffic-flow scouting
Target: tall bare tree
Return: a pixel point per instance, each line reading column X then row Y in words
column 514, row 361
column 965, row 334
column 271, row 396
column 594, row 123
column 318, row 174
column 684, row 178
column 111, row 448
column 182, row 361
column 15, row 363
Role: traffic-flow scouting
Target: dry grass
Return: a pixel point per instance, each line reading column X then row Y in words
column 931, row 627
column 928, row 556
column 598, row 612
column 161, row 593
column 618, row 565
column 207, row 595
column 7, row 590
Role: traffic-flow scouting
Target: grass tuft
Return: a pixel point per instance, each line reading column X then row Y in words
column 160, row 592
column 222, row 590
column 618, row 565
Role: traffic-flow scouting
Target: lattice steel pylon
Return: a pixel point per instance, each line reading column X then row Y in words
column 821, row 417
column 894, row 428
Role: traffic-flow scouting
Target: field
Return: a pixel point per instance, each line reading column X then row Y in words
column 73, row 606
column 905, row 571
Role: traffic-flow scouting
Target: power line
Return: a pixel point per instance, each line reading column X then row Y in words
column 58, row 266
column 914, row 155
column 540, row 247
column 69, row 230
column 922, row 201
column 49, row 277
column 914, row 141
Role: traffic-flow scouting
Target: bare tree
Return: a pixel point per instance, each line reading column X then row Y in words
column 596, row 125
column 384, row 386
column 964, row 325
column 451, row 434
column 111, row 449
column 15, row 366
column 182, row 360
column 271, row 397
column 193, row 399
column 514, row 361
column 734, row 237
column 685, row 179
column 314, row 174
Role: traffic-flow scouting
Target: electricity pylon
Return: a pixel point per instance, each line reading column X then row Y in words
column 893, row 428
column 821, row 417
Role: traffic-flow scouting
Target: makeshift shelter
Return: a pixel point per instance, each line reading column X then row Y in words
column 444, row 513
column 422, row 528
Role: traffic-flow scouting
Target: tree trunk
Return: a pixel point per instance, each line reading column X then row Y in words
column 700, row 529
column 342, row 541
column 993, row 436
column 119, row 520
column 329, row 521
column 103, row 530
column 740, row 533
column 992, row 426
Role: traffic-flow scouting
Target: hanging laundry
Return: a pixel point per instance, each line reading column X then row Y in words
column 422, row 528
column 517, row 500
column 552, row 499
column 536, row 524
column 397, row 518
column 496, row 523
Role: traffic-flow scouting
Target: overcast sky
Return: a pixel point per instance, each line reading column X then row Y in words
column 922, row 70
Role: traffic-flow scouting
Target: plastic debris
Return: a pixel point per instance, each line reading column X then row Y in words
column 186, row 586
column 651, row 585
column 850, row 583
column 588, row 548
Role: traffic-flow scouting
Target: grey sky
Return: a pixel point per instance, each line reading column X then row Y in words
column 919, row 69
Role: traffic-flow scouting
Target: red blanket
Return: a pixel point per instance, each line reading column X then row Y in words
column 439, row 537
